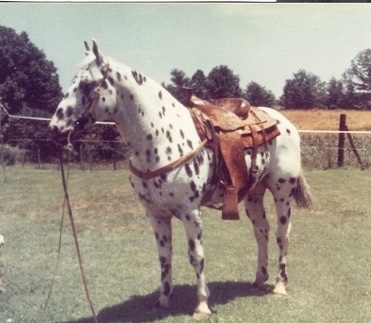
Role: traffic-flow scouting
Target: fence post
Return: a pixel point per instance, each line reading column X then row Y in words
column 342, row 127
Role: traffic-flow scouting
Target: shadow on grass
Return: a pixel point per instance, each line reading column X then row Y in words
column 139, row 308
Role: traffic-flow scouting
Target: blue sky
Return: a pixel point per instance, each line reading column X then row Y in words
column 265, row 43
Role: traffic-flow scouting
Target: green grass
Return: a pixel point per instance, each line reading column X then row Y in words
column 329, row 261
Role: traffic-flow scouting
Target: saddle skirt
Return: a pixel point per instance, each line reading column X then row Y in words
column 231, row 126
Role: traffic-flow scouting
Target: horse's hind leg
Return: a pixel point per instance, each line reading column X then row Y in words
column 162, row 230
column 256, row 213
column 282, row 192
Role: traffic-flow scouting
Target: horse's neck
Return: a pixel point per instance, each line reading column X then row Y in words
column 157, row 128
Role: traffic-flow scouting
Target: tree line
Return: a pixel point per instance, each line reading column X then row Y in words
column 29, row 86
column 304, row 90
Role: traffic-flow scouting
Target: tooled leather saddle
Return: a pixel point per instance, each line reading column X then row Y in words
column 231, row 126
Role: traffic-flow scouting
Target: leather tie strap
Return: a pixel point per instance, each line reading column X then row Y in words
column 175, row 164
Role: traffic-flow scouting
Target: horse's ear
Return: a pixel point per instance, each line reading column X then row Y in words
column 87, row 48
column 97, row 53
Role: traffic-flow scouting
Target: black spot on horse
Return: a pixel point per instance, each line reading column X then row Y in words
column 60, row 114
column 190, row 144
column 138, row 77
column 192, row 245
column 110, row 79
column 168, row 136
column 292, row 180
column 118, row 75
column 69, row 111
column 188, row 170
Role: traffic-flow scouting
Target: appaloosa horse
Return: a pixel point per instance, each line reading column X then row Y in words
column 159, row 130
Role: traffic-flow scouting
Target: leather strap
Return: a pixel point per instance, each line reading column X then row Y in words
column 175, row 164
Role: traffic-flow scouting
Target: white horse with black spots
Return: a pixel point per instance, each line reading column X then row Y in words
column 159, row 130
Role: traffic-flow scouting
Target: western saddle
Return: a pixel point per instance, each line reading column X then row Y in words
column 230, row 126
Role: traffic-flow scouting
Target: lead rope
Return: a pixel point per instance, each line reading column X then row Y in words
column 81, row 265
column 41, row 316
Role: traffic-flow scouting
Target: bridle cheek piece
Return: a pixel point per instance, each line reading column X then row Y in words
column 85, row 116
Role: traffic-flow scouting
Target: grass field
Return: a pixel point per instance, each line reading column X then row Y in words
column 329, row 261
column 317, row 119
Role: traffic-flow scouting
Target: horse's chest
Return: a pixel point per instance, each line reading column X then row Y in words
column 184, row 185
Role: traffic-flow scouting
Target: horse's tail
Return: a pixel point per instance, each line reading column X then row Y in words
column 302, row 194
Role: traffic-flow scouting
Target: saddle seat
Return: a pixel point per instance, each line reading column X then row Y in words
column 231, row 126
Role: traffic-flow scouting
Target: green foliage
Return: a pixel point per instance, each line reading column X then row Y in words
column 27, row 78
column 358, row 77
column 257, row 95
column 361, row 70
column 223, row 83
column 11, row 155
column 336, row 97
column 304, row 91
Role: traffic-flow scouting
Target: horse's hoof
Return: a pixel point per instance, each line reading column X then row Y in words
column 202, row 312
column 280, row 289
column 158, row 306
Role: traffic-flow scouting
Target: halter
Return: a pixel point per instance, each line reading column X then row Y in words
column 87, row 112
column 85, row 116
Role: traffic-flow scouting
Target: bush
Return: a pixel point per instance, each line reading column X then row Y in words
column 11, row 155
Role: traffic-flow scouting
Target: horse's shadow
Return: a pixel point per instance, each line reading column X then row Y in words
column 139, row 307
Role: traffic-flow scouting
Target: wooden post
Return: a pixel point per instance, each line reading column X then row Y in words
column 355, row 151
column 342, row 127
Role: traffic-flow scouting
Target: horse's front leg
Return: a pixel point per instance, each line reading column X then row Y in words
column 162, row 230
column 193, row 228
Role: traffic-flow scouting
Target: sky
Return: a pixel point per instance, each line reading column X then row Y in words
column 264, row 43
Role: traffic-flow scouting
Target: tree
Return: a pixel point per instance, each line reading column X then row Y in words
column 361, row 71
column 27, row 78
column 29, row 85
column 335, row 94
column 304, row 91
column 220, row 83
column 257, row 95
column 179, row 80
column 358, row 78
column 198, row 83
column 223, row 83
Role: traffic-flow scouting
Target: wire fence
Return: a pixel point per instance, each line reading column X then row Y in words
column 319, row 151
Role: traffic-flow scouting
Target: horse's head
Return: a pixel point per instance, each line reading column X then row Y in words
column 91, row 97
